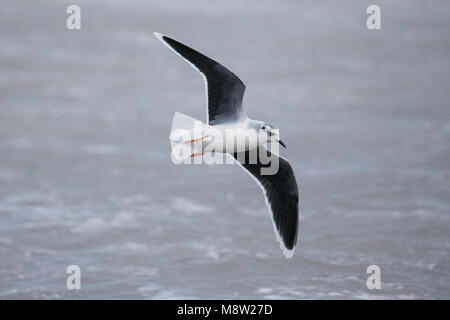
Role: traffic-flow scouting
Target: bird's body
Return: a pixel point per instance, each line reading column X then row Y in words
column 229, row 130
column 231, row 133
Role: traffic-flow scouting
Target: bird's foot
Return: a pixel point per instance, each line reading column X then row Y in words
column 197, row 154
column 195, row 140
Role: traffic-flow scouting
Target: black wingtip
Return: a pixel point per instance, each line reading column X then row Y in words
column 160, row 36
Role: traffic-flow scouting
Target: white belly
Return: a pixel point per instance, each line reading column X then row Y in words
column 230, row 139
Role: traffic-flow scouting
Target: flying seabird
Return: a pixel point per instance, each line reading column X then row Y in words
column 224, row 94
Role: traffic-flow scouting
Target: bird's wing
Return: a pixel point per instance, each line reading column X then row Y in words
column 224, row 90
column 281, row 195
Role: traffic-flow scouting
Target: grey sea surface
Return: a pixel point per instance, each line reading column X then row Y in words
column 86, row 177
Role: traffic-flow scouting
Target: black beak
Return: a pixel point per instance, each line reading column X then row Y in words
column 282, row 143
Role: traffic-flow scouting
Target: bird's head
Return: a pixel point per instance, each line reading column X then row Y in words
column 270, row 133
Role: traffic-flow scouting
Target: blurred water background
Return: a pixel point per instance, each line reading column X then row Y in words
column 86, row 176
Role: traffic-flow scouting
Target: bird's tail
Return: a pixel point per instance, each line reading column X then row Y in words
column 186, row 137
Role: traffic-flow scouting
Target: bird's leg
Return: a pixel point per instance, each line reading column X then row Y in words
column 195, row 140
column 197, row 154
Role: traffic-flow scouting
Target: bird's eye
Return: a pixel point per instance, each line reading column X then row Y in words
column 263, row 127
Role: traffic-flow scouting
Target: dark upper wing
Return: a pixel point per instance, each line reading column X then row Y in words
column 281, row 194
column 224, row 89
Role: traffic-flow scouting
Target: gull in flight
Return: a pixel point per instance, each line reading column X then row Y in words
column 224, row 94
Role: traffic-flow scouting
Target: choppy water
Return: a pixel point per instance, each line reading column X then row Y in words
column 85, row 171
